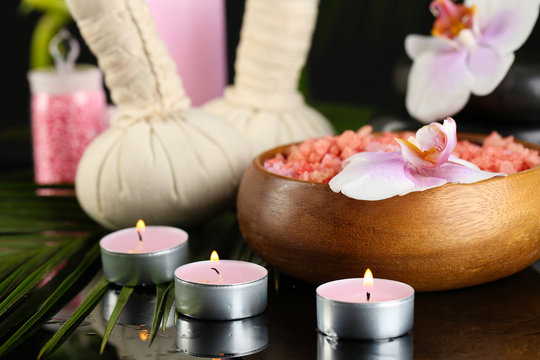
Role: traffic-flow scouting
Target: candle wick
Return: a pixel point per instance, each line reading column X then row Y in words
column 368, row 295
column 140, row 236
column 216, row 270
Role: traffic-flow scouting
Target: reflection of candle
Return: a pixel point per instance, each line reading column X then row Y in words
column 365, row 308
column 138, row 312
column 221, row 289
column 330, row 348
column 130, row 259
column 221, row 339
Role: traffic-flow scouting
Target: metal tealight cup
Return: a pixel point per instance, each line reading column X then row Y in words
column 212, row 301
column 366, row 320
column 146, row 268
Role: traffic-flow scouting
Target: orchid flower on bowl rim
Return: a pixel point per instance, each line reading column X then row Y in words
column 470, row 51
column 424, row 162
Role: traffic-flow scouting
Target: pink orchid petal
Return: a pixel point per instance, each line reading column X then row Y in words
column 373, row 176
column 421, row 181
column 489, row 68
column 439, row 85
column 460, row 174
column 377, row 176
column 505, row 25
column 416, row 45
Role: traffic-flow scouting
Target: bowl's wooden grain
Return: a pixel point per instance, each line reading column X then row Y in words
column 444, row 238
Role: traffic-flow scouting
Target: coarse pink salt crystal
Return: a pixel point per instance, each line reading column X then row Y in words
column 319, row 160
column 498, row 154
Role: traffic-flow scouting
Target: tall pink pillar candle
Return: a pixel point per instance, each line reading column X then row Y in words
column 195, row 34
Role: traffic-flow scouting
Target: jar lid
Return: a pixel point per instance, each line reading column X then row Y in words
column 49, row 81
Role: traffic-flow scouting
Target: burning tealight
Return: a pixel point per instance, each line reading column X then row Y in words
column 365, row 308
column 143, row 255
column 220, row 289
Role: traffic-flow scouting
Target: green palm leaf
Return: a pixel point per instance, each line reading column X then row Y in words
column 35, row 259
column 123, row 298
column 39, row 316
column 168, row 307
column 33, row 279
column 161, row 295
column 86, row 307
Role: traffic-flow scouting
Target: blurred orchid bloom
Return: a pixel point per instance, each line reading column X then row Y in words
column 471, row 49
column 425, row 162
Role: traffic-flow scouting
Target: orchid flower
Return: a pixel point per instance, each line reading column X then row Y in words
column 471, row 49
column 424, row 162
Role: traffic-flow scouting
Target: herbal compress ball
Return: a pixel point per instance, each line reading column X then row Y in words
column 264, row 103
column 160, row 160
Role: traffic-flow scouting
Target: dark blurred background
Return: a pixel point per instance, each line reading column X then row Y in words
column 355, row 71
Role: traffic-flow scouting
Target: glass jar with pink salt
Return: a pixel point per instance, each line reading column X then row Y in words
column 68, row 110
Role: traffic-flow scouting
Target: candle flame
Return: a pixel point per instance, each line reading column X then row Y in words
column 141, row 226
column 214, row 256
column 368, row 279
column 143, row 334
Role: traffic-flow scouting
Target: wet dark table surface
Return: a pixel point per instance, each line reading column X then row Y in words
column 498, row 320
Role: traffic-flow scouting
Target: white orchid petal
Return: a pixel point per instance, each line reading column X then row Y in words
column 416, row 45
column 413, row 154
column 448, row 136
column 460, row 161
column 432, row 146
column 439, row 85
column 488, row 67
column 449, row 127
column 460, row 174
column 430, row 136
column 485, row 10
column 373, row 176
column 376, row 176
column 506, row 25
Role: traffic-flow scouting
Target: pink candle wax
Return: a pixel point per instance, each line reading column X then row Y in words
column 221, row 272
column 154, row 239
column 129, row 261
column 354, row 291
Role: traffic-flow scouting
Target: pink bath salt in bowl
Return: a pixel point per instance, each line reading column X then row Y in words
column 319, row 160
column 498, row 154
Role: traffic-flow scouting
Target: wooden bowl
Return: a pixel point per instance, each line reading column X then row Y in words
column 448, row 237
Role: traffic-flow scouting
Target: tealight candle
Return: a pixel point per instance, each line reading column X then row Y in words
column 220, row 289
column 143, row 255
column 365, row 308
